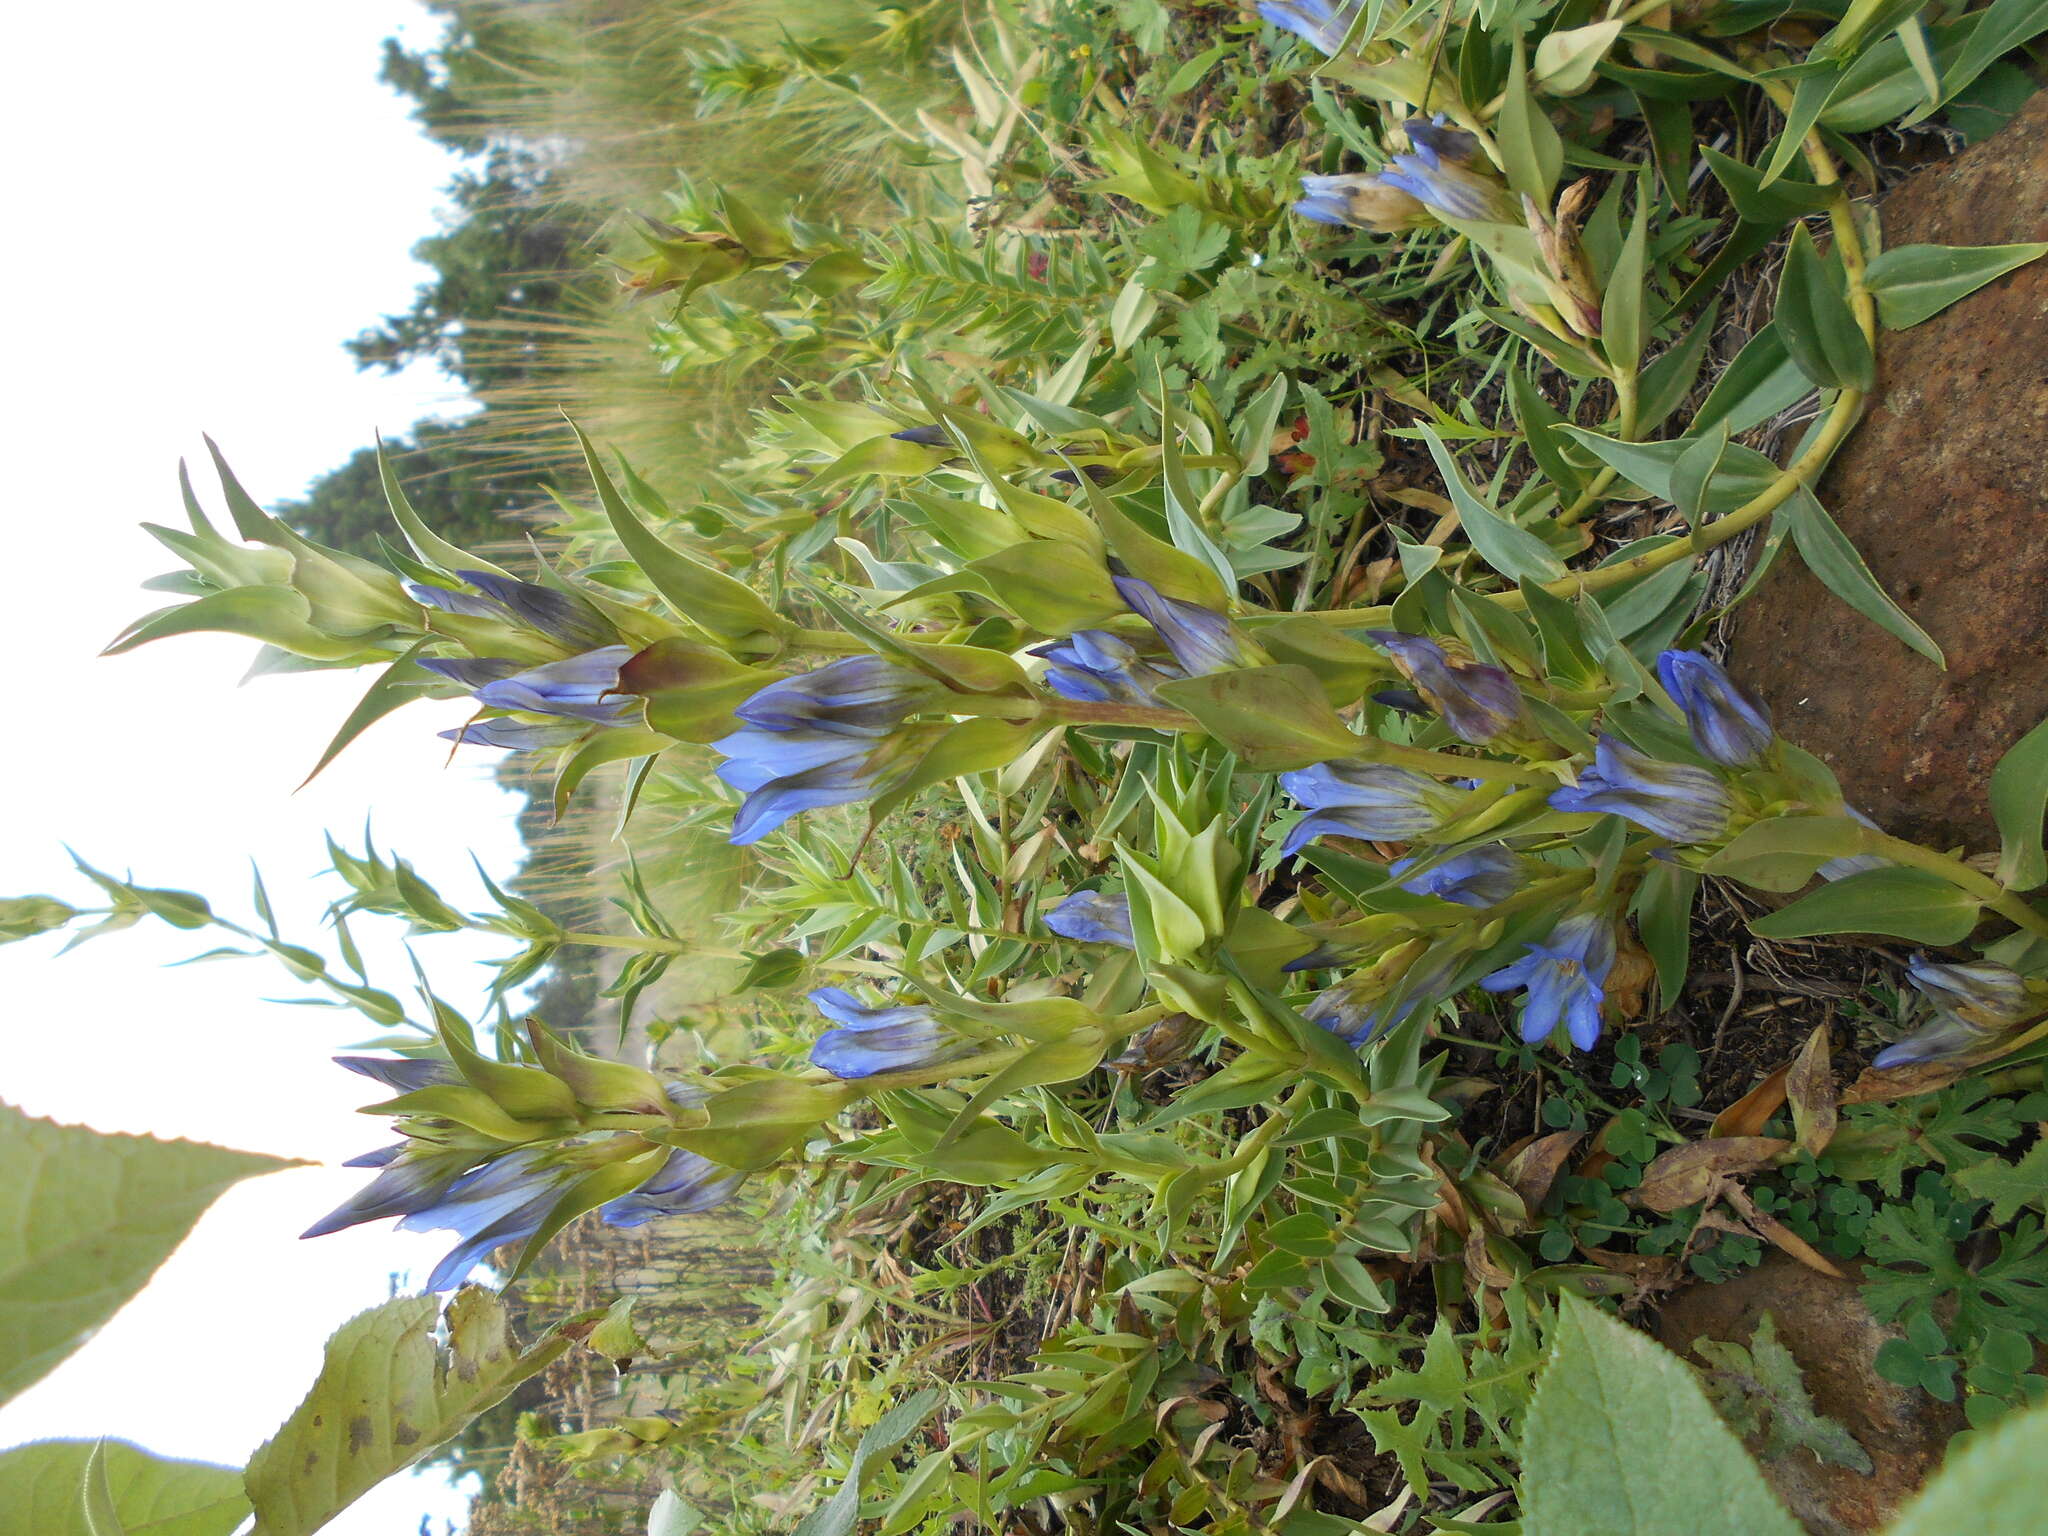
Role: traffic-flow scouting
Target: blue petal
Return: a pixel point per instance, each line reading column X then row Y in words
column 1093, row 917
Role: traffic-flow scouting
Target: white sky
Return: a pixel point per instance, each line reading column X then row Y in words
column 207, row 198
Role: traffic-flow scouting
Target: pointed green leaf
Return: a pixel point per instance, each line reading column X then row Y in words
column 1512, row 550
column 389, row 1393
column 1905, row 903
column 1913, row 283
column 1816, row 323
column 41, row 1485
column 2019, row 799
column 85, row 1219
column 1834, row 560
column 1598, row 1452
column 1991, row 1487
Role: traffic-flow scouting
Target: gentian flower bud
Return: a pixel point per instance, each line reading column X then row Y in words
column 1727, row 724
column 1479, row 877
column 859, row 696
column 1477, row 702
column 1373, row 1002
column 684, row 1185
column 1973, row 1005
column 872, row 1040
column 1566, row 977
column 1316, row 22
column 516, row 735
column 1368, row 800
column 1202, row 640
column 1093, row 917
column 1674, row 800
column 1097, row 667
column 1360, row 200
column 562, row 616
column 1570, row 286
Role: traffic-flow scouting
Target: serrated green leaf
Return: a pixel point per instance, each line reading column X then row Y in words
column 389, row 1393
column 1597, row 1452
column 85, row 1219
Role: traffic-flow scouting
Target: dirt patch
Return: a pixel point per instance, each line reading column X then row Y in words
column 1944, row 490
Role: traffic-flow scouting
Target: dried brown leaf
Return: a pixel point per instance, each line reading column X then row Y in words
column 1689, row 1174
column 1534, row 1168
column 1748, row 1115
column 1810, row 1088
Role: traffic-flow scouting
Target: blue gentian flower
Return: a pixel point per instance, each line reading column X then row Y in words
column 414, row 1176
column 1368, row 800
column 1359, row 200
column 1973, row 1005
column 1477, row 702
column 1437, row 174
column 684, row 1185
column 1093, row 917
column 818, row 739
column 1674, row 800
column 859, row 696
column 1727, row 725
column 504, row 1201
column 562, row 616
column 1479, row 877
column 1097, row 667
column 1316, row 22
column 880, row 1039
column 1201, row 640
column 580, row 688
column 1566, row 975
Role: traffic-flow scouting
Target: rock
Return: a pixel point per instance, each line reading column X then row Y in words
column 1944, row 489
column 1825, row 1325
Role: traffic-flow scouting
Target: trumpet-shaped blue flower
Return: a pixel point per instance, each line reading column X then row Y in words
column 580, row 688
column 1097, row 667
column 684, row 1185
column 880, row 1039
column 1973, row 1005
column 1316, row 22
column 819, row 739
column 1437, row 173
column 1359, row 200
column 563, row 617
column 1369, row 800
column 413, row 1177
column 1477, row 702
column 1479, row 877
column 1727, row 725
column 1674, row 800
column 1093, row 917
column 1566, row 977
column 504, row 1201
column 1201, row 639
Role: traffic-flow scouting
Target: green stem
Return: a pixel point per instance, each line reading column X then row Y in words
column 1625, row 390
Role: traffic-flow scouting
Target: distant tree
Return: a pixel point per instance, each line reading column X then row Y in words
column 463, row 495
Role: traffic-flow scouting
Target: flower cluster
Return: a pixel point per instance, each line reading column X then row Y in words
column 445, row 1177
